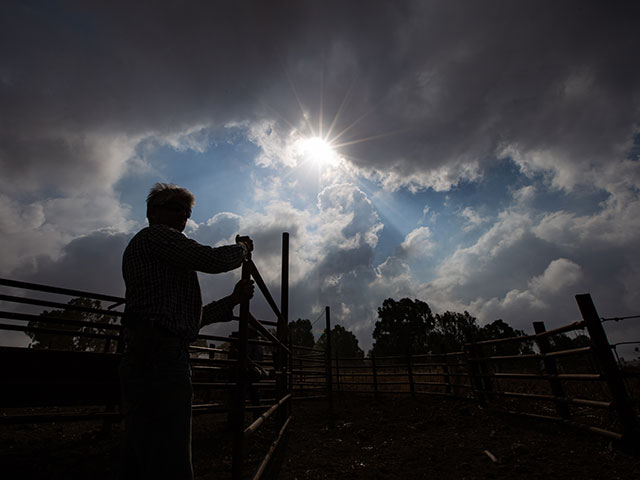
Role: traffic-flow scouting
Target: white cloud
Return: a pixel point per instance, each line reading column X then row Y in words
column 544, row 293
column 559, row 274
column 418, row 243
column 473, row 219
column 617, row 223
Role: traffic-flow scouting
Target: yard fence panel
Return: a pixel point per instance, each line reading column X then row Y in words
column 84, row 385
column 579, row 385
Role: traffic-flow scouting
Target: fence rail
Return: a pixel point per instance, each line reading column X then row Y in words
column 567, row 385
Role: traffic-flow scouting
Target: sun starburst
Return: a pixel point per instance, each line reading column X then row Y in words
column 319, row 152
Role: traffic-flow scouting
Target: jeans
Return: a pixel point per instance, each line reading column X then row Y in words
column 156, row 398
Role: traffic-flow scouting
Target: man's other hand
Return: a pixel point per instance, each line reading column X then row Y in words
column 242, row 291
column 246, row 241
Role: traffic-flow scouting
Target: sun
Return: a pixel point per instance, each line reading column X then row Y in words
column 318, row 152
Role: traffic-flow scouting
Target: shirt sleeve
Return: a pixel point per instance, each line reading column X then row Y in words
column 180, row 251
column 218, row 311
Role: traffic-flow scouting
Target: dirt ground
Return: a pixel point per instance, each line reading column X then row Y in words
column 391, row 438
column 435, row 437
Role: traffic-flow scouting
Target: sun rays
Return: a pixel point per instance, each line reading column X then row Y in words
column 321, row 139
column 319, row 152
column 310, row 143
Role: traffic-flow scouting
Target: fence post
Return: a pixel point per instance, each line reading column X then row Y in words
column 120, row 341
column 607, row 362
column 337, row 373
column 239, row 391
column 412, row 387
column 471, row 356
column 327, row 315
column 550, row 368
column 281, row 332
column 375, row 375
column 290, row 363
column 445, row 370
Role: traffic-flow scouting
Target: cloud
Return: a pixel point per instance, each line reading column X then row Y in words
column 456, row 85
column 44, row 227
column 331, row 255
column 559, row 274
column 552, row 283
column 90, row 263
column 500, row 275
column 418, row 243
column 615, row 224
column 472, row 219
column 219, row 229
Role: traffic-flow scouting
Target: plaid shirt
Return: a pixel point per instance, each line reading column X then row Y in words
column 159, row 268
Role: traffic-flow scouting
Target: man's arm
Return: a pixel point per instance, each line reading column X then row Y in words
column 222, row 310
column 173, row 247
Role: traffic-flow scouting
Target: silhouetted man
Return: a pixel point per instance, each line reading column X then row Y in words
column 163, row 315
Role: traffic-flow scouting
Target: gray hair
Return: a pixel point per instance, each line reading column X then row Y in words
column 163, row 193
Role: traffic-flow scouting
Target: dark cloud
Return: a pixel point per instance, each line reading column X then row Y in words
column 91, row 263
column 451, row 82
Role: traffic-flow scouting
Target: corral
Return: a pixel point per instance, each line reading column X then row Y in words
column 480, row 413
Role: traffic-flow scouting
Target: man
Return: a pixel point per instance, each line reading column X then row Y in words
column 163, row 315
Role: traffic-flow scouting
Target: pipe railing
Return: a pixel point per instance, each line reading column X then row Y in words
column 490, row 377
column 210, row 374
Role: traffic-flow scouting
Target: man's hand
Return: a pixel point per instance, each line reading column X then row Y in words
column 246, row 241
column 242, row 291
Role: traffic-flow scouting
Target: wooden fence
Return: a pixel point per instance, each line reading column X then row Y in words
column 68, row 385
column 582, row 386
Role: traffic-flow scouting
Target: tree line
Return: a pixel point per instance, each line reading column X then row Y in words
column 409, row 326
column 404, row 327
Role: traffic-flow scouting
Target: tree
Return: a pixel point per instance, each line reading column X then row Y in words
column 343, row 343
column 564, row 342
column 452, row 330
column 301, row 334
column 403, row 328
column 500, row 329
column 92, row 322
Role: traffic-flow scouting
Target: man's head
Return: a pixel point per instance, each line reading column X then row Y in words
column 170, row 205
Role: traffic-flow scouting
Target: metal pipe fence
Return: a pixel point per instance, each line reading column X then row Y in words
column 582, row 386
column 80, row 376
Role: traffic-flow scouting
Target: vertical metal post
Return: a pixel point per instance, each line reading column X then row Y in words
column 290, row 364
column 281, row 332
column 302, row 377
column 375, row 375
column 607, row 362
column 327, row 315
column 337, row 373
column 412, row 387
column 550, row 368
column 446, row 376
column 120, row 341
column 241, row 381
column 477, row 385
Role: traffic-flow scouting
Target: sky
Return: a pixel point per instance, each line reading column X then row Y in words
column 478, row 156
